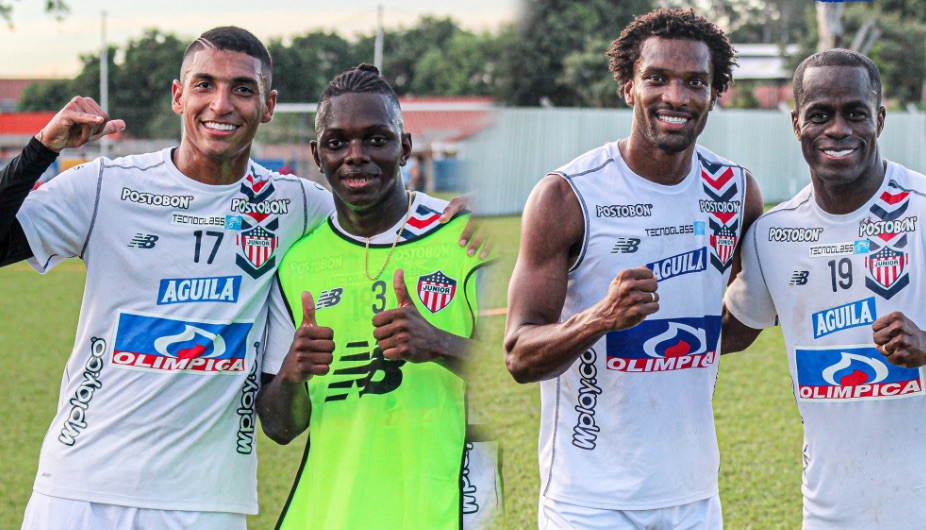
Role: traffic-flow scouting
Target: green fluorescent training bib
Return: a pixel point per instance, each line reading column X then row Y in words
column 386, row 438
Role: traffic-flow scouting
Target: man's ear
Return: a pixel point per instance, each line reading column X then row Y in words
column 176, row 96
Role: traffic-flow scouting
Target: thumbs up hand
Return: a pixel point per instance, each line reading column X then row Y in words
column 312, row 350
column 402, row 333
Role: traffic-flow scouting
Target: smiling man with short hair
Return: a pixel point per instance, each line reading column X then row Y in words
column 626, row 371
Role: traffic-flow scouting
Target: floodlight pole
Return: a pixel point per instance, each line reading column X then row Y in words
column 378, row 43
column 104, row 80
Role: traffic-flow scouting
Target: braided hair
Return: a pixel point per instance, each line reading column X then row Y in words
column 672, row 24
column 363, row 79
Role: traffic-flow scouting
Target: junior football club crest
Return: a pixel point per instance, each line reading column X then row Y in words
column 256, row 245
column 436, row 290
column 887, row 271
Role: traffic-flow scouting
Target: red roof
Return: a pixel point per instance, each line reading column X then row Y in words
column 13, row 88
column 445, row 119
column 23, row 123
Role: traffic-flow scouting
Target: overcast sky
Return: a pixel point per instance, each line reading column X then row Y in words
column 39, row 46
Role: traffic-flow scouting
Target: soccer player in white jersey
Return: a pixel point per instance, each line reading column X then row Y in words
column 156, row 425
column 627, row 374
column 849, row 299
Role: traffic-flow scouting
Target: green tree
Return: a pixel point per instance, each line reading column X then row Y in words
column 403, row 48
column 58, row 8
column 140, row 87
column 46, row 97
column 302, row 69
column 467, row 66
column 549, row 32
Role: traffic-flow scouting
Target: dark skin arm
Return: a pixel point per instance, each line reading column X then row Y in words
column 283, row 404
column 403, row 334
column 900, row 340
column 537, row 346
column 737, row 336
column 473, row 236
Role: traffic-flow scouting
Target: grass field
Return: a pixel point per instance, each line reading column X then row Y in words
column 757, row 421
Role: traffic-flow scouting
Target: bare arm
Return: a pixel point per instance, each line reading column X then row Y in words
column 737, row 336
column 283, row 405
column 752, row 209
column 537, row 345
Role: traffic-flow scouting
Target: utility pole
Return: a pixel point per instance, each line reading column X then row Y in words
column 378, row 44
column 104, row 80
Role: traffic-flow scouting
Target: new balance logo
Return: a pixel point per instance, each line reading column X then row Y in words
column 626, row 245
column 329, row 298
column 799, row 278
column 143, row 240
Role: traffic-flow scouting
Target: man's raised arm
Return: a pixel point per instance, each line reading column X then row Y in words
column 79, row 122
column 537, row 345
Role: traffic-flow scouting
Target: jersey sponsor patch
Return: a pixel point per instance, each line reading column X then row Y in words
column 794, row 235
column 585, row 433
column 189, row 290
column 852, row 373
column 182, row 219
column 160, row 344
column 680, row 264
column 436, row 290
column 623, row 210
column 663, row 345
column 851, row 315
column 181, row 202
column 670, row 230
column 847, row 248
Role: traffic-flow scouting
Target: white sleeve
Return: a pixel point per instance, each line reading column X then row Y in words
column 748, row 298
column 319, row 205
column 280, row 331
column 57, row 218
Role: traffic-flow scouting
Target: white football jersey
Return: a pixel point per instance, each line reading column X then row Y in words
column 156, row 408
column 629, row 426
column 827, row 278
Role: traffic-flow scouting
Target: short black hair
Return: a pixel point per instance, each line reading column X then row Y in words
column 364, row 78
column 235, row 39
column 835, row 57
column 672, row 24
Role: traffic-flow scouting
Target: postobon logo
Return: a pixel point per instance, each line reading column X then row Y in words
column 624, row 210
column 77, row 419
column 719, row 206
column 173, row 201
column 794, row 235
column 877, row 228
column 269, row 207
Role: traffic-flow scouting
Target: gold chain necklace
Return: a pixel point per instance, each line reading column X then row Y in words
column 366, row 257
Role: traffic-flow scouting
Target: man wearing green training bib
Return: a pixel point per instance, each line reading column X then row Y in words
column 385, row 301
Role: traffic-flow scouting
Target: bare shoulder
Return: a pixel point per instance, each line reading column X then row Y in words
column 552, row 220
column 754, row 204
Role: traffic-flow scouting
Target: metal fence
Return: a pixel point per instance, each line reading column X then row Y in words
column 506, row 160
